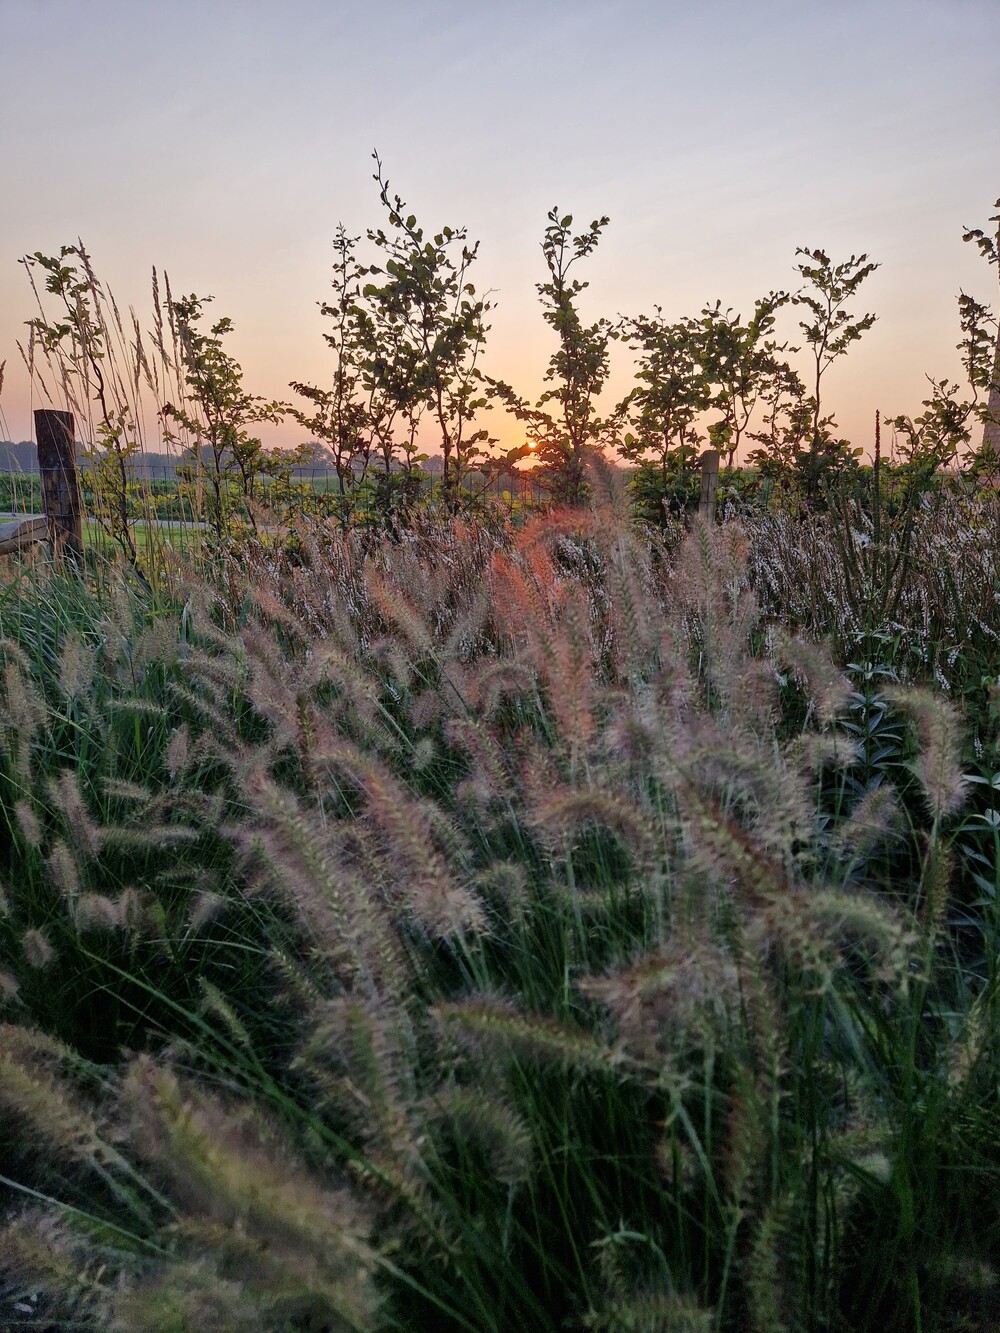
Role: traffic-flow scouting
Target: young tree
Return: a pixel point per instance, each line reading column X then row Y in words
column 577, row 369
column 339, row 417
column 658, row 416
column 934, row 438
column 422, row 331
column 785, row 425
column 371, row 413
column 218, row 413
column 988, row 371
column 739, row 361
column 829, row 334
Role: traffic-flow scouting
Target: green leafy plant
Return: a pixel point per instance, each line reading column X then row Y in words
column 983, row 367
column 935, row 438
column 742, row 364
column 577, row 369
column 227, row 461
column 350, row 427
column 420, row 333
column 660, row 414
column 829, row 334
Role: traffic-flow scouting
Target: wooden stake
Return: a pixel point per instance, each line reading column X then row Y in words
column 60, row 491
column 709, row 484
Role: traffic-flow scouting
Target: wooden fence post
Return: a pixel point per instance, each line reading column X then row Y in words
column 60, row 492
column 709, row 484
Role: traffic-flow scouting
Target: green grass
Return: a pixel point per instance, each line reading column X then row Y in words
column 490, row 931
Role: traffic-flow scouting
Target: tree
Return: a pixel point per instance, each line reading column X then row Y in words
column 739, row 361
column 658, row 416
column 988, row 372
column 422, row 331
column 934, row 438
column 785, row 424
column 339, row 417
column 218, row 413
column 829, row 334
column 577, row 369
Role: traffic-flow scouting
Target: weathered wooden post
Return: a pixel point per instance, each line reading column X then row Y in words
column 60, row 491
column 709, row 485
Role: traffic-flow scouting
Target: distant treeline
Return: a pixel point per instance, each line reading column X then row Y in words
column 20, row 457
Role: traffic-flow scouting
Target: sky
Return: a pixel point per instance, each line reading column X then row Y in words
column 224, row 140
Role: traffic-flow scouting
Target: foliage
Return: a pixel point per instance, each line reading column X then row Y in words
column 659, row 415
column 984, row 370
column 829, row 334
column 577, row 369
column 665, row 492
column 408, row 334
column 742, row 364
column 351, row 428
column 420, row 334
column 216, row 417
column 936, row 437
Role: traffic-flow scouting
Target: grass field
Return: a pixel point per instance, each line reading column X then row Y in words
column 503, row 928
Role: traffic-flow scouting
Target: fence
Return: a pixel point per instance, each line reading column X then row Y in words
column 61, row 520
column 167, row 491
column 48, row 504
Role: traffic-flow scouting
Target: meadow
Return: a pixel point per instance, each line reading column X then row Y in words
column 432, row 914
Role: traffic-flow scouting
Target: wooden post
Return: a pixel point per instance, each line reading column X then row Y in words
column 60, row 491
column 709, row 485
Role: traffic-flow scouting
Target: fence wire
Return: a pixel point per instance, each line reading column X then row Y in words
column 165, row 494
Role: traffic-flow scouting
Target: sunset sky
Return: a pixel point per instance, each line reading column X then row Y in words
column 223, row 140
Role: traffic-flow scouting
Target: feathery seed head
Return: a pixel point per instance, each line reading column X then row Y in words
column 93, row 911
column 68, row 800
column 28, row 822
column 177, row 752
column 38, row 1104
column 938, row 766
column 38, row 952
column 488, row 1121
column 76, row 666
column 225, row 1165
column 668, row 1001
column 503, row 886
column 813, row 751
column 25, row 707
column 874, row 821
column 495, row 1025
column 206, row 906
column 560, row 813
column 829, row 690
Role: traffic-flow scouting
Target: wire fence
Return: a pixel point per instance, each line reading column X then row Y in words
column 180, row 494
